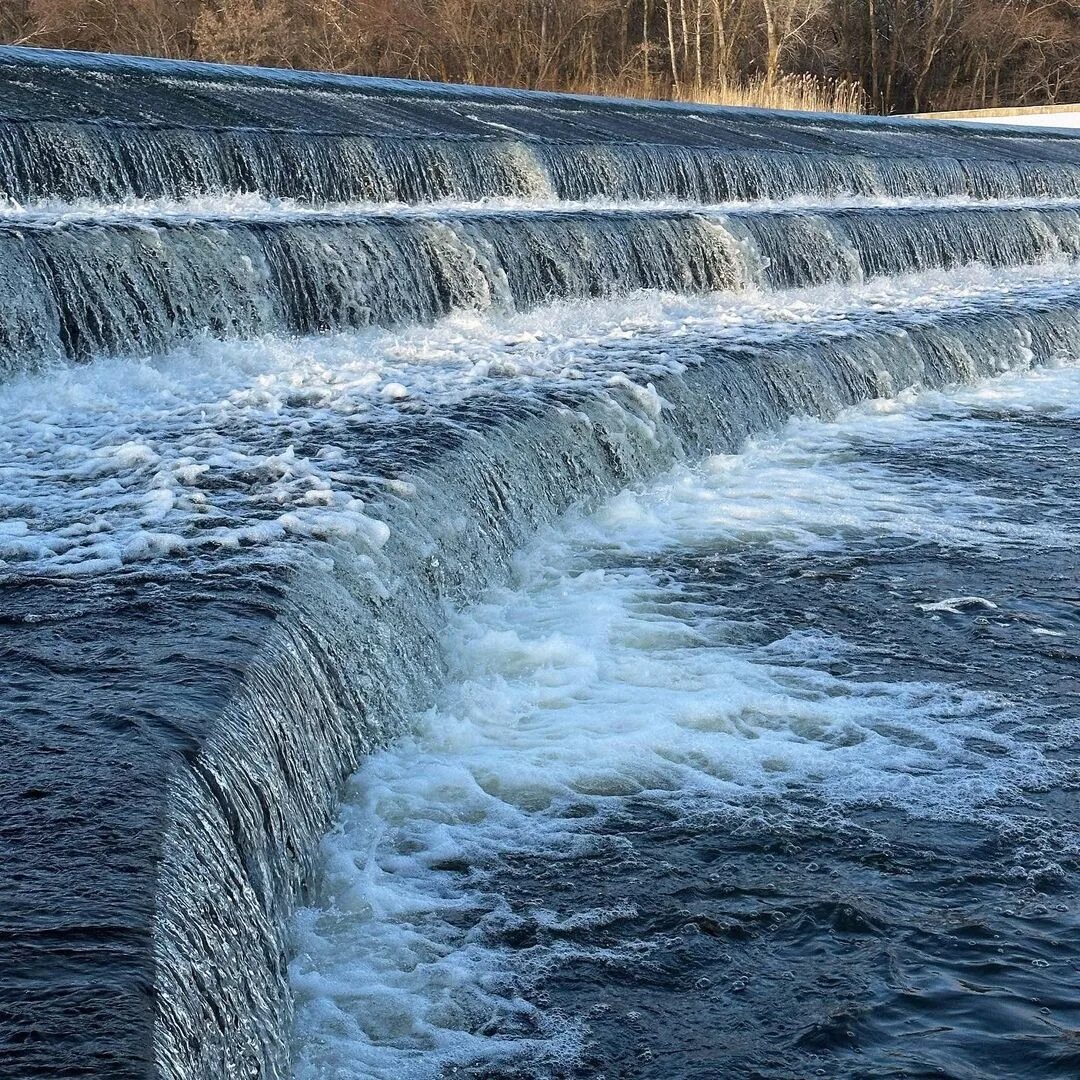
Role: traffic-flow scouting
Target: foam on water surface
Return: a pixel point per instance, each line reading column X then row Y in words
column 604, row 678
column 253, row 208
column 224, row 445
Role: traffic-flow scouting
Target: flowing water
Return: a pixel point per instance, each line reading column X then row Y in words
column 591, row 482
column 766, row 768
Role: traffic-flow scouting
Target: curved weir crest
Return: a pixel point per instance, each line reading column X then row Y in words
column 294, row 364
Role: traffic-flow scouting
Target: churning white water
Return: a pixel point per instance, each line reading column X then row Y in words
column 223, row 445
column 600, row 678
column 246, row 208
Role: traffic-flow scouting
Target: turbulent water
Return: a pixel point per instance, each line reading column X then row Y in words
column 766, row 768
column 230, row 450
column 594, row 478
column 81, row 281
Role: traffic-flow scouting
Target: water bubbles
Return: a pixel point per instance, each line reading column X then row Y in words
column 603, row 680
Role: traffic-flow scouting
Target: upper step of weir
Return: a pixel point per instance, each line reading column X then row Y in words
column 81, row 125
column 46, row 84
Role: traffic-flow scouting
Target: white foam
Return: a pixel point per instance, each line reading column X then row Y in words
column 958, row 605
column 252, row 209
column 223, row 445
column 589, row 683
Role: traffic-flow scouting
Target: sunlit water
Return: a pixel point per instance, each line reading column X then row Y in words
column 766, row 769
column 761, row 771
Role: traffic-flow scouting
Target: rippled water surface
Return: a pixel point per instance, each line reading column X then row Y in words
column 767, row 769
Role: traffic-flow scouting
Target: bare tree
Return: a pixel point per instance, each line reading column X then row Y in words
column 788, row 23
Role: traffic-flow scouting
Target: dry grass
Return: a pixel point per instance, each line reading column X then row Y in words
column 802, row 93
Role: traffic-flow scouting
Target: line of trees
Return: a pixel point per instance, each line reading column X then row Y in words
column 898, row 55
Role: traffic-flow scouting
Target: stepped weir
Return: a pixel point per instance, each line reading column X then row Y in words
column 293, row 363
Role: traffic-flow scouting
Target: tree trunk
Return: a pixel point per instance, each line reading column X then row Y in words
column 772, row 43
column 672, row 54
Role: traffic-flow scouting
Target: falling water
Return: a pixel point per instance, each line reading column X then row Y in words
column 295, row 367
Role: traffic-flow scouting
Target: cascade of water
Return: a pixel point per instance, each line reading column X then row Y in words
column 230, row 532
column 76, row 128
column 67, row 161
column 232, row 818
column 87, row 290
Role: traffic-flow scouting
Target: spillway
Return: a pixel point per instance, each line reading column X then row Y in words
column 77, row 288
column 293, row 364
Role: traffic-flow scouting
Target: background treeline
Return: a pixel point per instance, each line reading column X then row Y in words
column 880, row 55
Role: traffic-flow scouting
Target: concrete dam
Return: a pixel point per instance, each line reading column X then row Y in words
column 294, row 367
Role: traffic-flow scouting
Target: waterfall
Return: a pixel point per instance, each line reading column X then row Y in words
column 292, row 364
column 109, row 128
column 74, row 291
column 536, row 463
